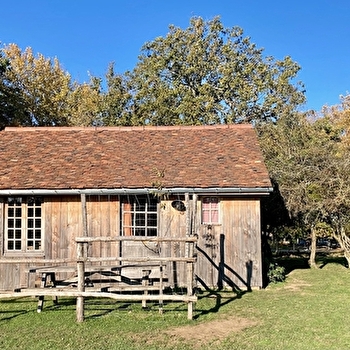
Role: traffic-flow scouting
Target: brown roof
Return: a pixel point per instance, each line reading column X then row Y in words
column 219, row 156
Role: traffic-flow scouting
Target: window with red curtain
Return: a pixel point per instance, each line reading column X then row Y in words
column 139, row 216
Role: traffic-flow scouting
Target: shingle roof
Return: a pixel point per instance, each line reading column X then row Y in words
column 130, row 157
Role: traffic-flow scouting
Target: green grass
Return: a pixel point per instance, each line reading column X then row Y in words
column 311, row 310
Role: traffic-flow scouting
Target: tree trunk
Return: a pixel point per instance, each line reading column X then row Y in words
column 344, row 242
column 347, row 257
column 312, row 260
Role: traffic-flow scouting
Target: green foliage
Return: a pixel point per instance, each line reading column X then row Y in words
column 10, row 97
column 116, row 100
column 36, row 91
column 302, row 158
column 204, row 74
column 308, row 159
column 41, row 85
column 208, row 74
column 276, row 273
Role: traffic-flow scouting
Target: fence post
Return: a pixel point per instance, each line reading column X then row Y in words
column 81, row 281
column 190, row 289
column 161, row 288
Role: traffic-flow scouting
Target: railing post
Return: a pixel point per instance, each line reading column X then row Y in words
column 81, row 281
column 161, row 288
column 190, row 289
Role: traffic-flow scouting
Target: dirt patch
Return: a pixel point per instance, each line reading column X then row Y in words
column 209, row 332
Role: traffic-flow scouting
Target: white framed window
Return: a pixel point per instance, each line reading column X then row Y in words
column 23, row 225
column 140, row 216
column 210, row 210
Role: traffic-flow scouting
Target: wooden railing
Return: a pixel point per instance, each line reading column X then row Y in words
column 83, row 265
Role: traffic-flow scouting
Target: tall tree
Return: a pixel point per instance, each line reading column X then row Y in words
column 10, row 97
column 83, row 104
column 41, row 93
column 336, row 120
column 339, row 116
column 287, row 146
column 116, row 100
column 305, row 158
column 208, row 74
column 42, row 85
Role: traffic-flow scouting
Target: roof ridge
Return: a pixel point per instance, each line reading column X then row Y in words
column 126, row 128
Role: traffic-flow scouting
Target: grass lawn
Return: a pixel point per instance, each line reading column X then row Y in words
column 311, row 310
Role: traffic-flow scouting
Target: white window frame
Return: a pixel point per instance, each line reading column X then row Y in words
column 131, row 211
column 23, row 223
column 210, row 210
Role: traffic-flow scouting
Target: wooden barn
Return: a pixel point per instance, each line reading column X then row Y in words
column 60, row 183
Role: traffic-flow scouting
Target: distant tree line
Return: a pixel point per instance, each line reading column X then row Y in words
column 205, row 74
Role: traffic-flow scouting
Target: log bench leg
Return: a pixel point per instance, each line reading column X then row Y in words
column 43, row 284
column 145, row 283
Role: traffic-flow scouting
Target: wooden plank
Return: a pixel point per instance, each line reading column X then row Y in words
column 47, row 211
column 108, row 259
column 55, row 269
column 114, row 228
column 64, row 246
column 84, row 215
column 141, row 259
column 59, row 292
column 54, row 217
column 74, row 225
column 35, row 261
column 135, row 238
column 92, row 212
column 133, row 288
column 105, row 224
column 194, row 214
column 188, row 214
column 107, row 287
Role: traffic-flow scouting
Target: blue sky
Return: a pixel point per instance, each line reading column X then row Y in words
column 87, row 35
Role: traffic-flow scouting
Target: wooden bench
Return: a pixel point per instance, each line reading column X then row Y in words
column 48, row 280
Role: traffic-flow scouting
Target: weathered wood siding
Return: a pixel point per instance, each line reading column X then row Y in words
column 103, row 219
column 67, row 223
column 172, row 223
column 229, row 254
column 63, row 222
column 11, row 275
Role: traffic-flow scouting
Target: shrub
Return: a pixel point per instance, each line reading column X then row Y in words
column 276, row 273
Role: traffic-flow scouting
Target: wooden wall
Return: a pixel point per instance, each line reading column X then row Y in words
column 172, row 224
column 229, row 254
column 63, row 222
column 66, row 223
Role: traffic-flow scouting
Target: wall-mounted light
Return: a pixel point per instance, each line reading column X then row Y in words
column 178, row 205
